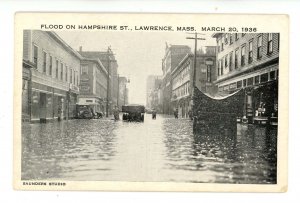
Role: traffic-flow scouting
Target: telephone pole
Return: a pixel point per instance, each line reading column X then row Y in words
column 195, row 55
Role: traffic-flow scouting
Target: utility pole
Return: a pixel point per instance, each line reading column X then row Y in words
column 195, row 56
column 108, row 81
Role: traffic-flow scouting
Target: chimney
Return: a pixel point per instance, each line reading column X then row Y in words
column 80, row 48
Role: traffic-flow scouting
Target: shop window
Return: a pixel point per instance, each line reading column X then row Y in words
column 249, row 81
column 264, row 78
column 239, row 84
column 272, row 75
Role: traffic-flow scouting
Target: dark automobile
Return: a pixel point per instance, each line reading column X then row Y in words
column 133, row 112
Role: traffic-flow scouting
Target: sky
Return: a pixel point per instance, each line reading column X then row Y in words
column 138, row 54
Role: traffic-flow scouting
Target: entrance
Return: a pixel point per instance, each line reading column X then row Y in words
column 43, row 107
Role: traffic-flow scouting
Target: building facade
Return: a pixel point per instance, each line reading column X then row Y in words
column 110, row 64
column 123, row 92
column 173, row 55
column 183, row 77
column 93, row 84
column 250, row 62
column 154, row 83
column 55, row 76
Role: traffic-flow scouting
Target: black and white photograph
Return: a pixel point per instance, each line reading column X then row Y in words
column 149, row 102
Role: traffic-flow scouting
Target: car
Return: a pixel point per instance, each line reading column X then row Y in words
column 133, row 112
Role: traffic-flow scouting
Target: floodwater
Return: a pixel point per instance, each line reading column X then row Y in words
column 164, row 149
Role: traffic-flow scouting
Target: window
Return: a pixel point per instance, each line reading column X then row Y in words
column 259, row 47
column 226, row 38
column 243, row 55
column 50, row 65
column 230, row 39
column 270, row 43
column 66, row 73
column 61, row 71
column 84, row 69
column 74, row 76
column 264, row 77
column 226, row 61
column 77, row 80
column 250, row 55
column 218, row 45
column 208, row 73
column 35, row 54
column 249, row 81
column 236, row 58
column 243, row 34
column 71, row 76
column 239, row 84
column 44, row 62
column 230, row 61
column 56, row 70
column 236, row 36
column 244, row 83
column 221, row 66
column 272, row 75
column 256, row 79
column 222, row 45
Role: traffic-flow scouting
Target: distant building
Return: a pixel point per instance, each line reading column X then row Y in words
column 123, row 92
column 250, row 61
column 110, row 63
column 54, row 76
column 93, row 84
column 183, row 75
column 173, row 55
column 152, row 92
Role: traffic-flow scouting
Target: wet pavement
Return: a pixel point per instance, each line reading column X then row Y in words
column 164, row 149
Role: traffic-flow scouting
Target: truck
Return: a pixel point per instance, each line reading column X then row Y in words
column 133, row 112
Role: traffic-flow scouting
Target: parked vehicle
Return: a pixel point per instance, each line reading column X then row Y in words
column 133, row 112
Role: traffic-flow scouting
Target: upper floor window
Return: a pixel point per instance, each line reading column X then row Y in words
column 243, row 34
column 84, row 70
column 222, row 66
column 44, row 62
column 35, row 54
column 230, row 61
column 66, row 73
column 243, row 50
column 236, row 57
column 56, row 69
column 226, row 61
column 270, row 43
column 250, row 55
column 71, row 76
column 226, row 38
column 219, row 67
column 50, row 65
column 236, row 36
column 230, row 39
column 259, row 46
column 222, row 45
column 61, row 71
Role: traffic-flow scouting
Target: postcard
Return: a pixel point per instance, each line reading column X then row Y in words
column 151, row 102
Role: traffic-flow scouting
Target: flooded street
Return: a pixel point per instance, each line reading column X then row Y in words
column 164, row 149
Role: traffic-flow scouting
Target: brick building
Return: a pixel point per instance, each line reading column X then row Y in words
column 250, row 61
column 183, row 76
column 93, row 84
column 55, row 76
column 109, row 62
